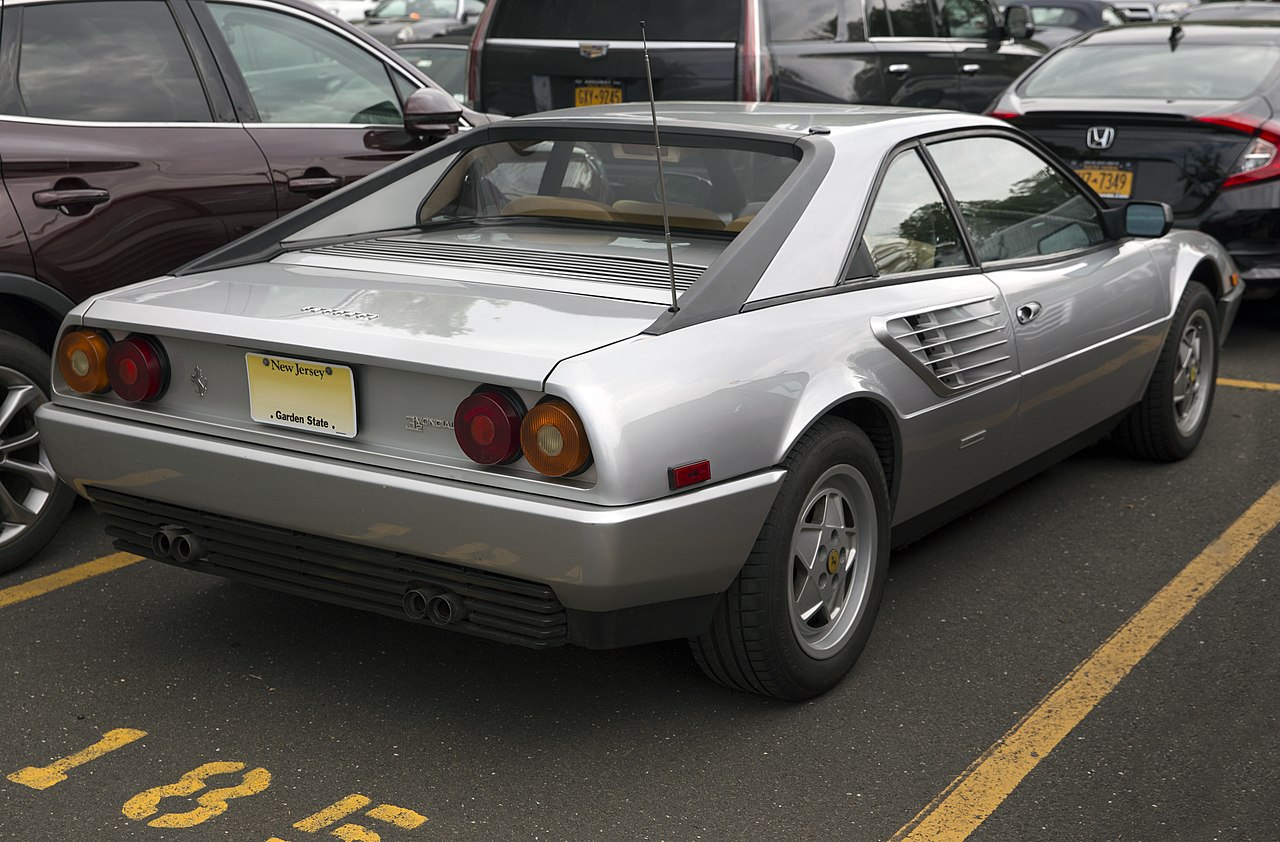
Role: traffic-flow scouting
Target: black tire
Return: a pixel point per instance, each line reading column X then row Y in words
column 33, row 503
column 759, row 640
column 1169, row 421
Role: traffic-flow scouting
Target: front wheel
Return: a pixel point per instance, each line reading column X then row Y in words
column 1171, row 418
column 800, row 612
column 33, row 503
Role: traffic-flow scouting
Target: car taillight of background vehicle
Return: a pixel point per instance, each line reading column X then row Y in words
column 473, row 65
column 82, row 361
column 487, row 427
column 138, row 369
column 1260, row 161
column 554, row 440
column 756, row 73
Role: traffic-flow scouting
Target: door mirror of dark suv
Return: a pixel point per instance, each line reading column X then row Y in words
column 431, row 114
column 1017, row 22
column 1147, row 219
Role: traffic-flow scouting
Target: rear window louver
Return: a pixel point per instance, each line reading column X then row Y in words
column 953, row 349
column 608, row 268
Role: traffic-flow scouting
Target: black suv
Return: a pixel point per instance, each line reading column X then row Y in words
column 535, row 55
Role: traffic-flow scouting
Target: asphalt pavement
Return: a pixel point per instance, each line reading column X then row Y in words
column 151, row 703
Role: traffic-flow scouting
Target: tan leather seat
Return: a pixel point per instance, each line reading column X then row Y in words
column 681, row 216
column 558, row 206
column 741, row 222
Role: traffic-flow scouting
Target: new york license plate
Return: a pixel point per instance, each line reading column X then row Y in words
column 1108, row 180
column 302, row 395
column 596, row 95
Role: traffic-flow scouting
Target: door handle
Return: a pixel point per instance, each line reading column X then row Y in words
column 970, row 69
column 1028, row 312
column 72, row 202
column 899, row 69
column 314, row 183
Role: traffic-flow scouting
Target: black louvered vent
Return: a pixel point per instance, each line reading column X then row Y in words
column 634, row 271
column 499, row 607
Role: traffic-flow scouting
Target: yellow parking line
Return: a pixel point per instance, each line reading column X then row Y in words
column 46, row 584
column 1249, row 384
column 979, row 790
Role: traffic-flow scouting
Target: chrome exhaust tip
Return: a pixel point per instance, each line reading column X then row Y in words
column 417, row 600
column 446, row 608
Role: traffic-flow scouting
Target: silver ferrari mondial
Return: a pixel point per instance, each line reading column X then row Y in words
column 459, row 392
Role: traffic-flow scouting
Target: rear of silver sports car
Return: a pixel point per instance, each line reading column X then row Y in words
column 386, row 444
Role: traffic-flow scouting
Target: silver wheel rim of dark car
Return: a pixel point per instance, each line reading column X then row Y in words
column 27, row 480
column 1195, row 364
column 833, row 547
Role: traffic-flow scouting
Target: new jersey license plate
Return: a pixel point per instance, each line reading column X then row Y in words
column 302, row 395
column 596, row 95
column 1108, row 180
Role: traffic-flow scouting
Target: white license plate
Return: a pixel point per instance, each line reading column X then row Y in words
column 301, row 394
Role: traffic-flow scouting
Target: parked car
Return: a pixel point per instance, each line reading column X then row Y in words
column 352, row 11
column 406, row 21
column 1150, row 10
column 1057, row 21
column 138, row 135
column 1177, row 113
column 1253, row 11
column 445, row 63
column 534, row 55
column 471, row 391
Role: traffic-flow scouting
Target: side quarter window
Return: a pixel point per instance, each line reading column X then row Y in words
column 802, row 20
column 910, row 228
column 968, row 19
column 299, row 72
column 109, row 62
column 1014, row 202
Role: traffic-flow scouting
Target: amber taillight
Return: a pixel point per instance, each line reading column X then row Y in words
column 554, row 440
column 82, row 361
column 138, row 369
column 487, row 426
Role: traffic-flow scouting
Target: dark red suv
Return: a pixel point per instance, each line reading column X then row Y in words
column 136, row 135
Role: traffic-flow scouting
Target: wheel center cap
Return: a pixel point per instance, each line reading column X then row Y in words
column 833, row 562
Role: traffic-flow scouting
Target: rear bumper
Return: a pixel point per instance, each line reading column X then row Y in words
column 594, row 560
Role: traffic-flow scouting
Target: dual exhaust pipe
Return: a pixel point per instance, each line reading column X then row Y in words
column 441, row 607
column 174, row 542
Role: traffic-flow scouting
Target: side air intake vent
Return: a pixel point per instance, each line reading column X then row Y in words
column 953, row 349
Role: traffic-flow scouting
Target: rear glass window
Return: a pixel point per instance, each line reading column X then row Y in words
column 1153, row 71
column 665, row 20
column 714, row 191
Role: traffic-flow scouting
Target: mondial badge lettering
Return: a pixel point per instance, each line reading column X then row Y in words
column 418, row 423
column 1100, row 137
column 341, row 314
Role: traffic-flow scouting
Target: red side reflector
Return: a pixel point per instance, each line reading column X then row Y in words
column 1004, row 115
column 691, row 474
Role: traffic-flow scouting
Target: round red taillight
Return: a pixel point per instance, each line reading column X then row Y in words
column 82, row 361
column 137, row 369
column 487, row 426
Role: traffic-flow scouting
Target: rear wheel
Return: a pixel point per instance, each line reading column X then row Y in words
column 800, row 612
column 33, row 502
column 1171, row 418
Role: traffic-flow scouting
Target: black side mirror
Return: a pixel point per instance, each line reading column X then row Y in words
column 1018, row 23
column 431, row 114
column 1147, row 219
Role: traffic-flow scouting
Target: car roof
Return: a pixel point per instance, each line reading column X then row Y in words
column 1068, row 4
column 788, row 119
column 1208, row 32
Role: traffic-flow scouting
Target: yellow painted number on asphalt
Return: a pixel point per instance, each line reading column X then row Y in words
column 212, row 803
column 43, row 777
column 400, row 817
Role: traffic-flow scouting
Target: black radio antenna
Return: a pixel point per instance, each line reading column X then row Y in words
column 662, row 181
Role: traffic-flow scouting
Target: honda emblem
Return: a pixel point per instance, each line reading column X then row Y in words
column 1100, row 137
